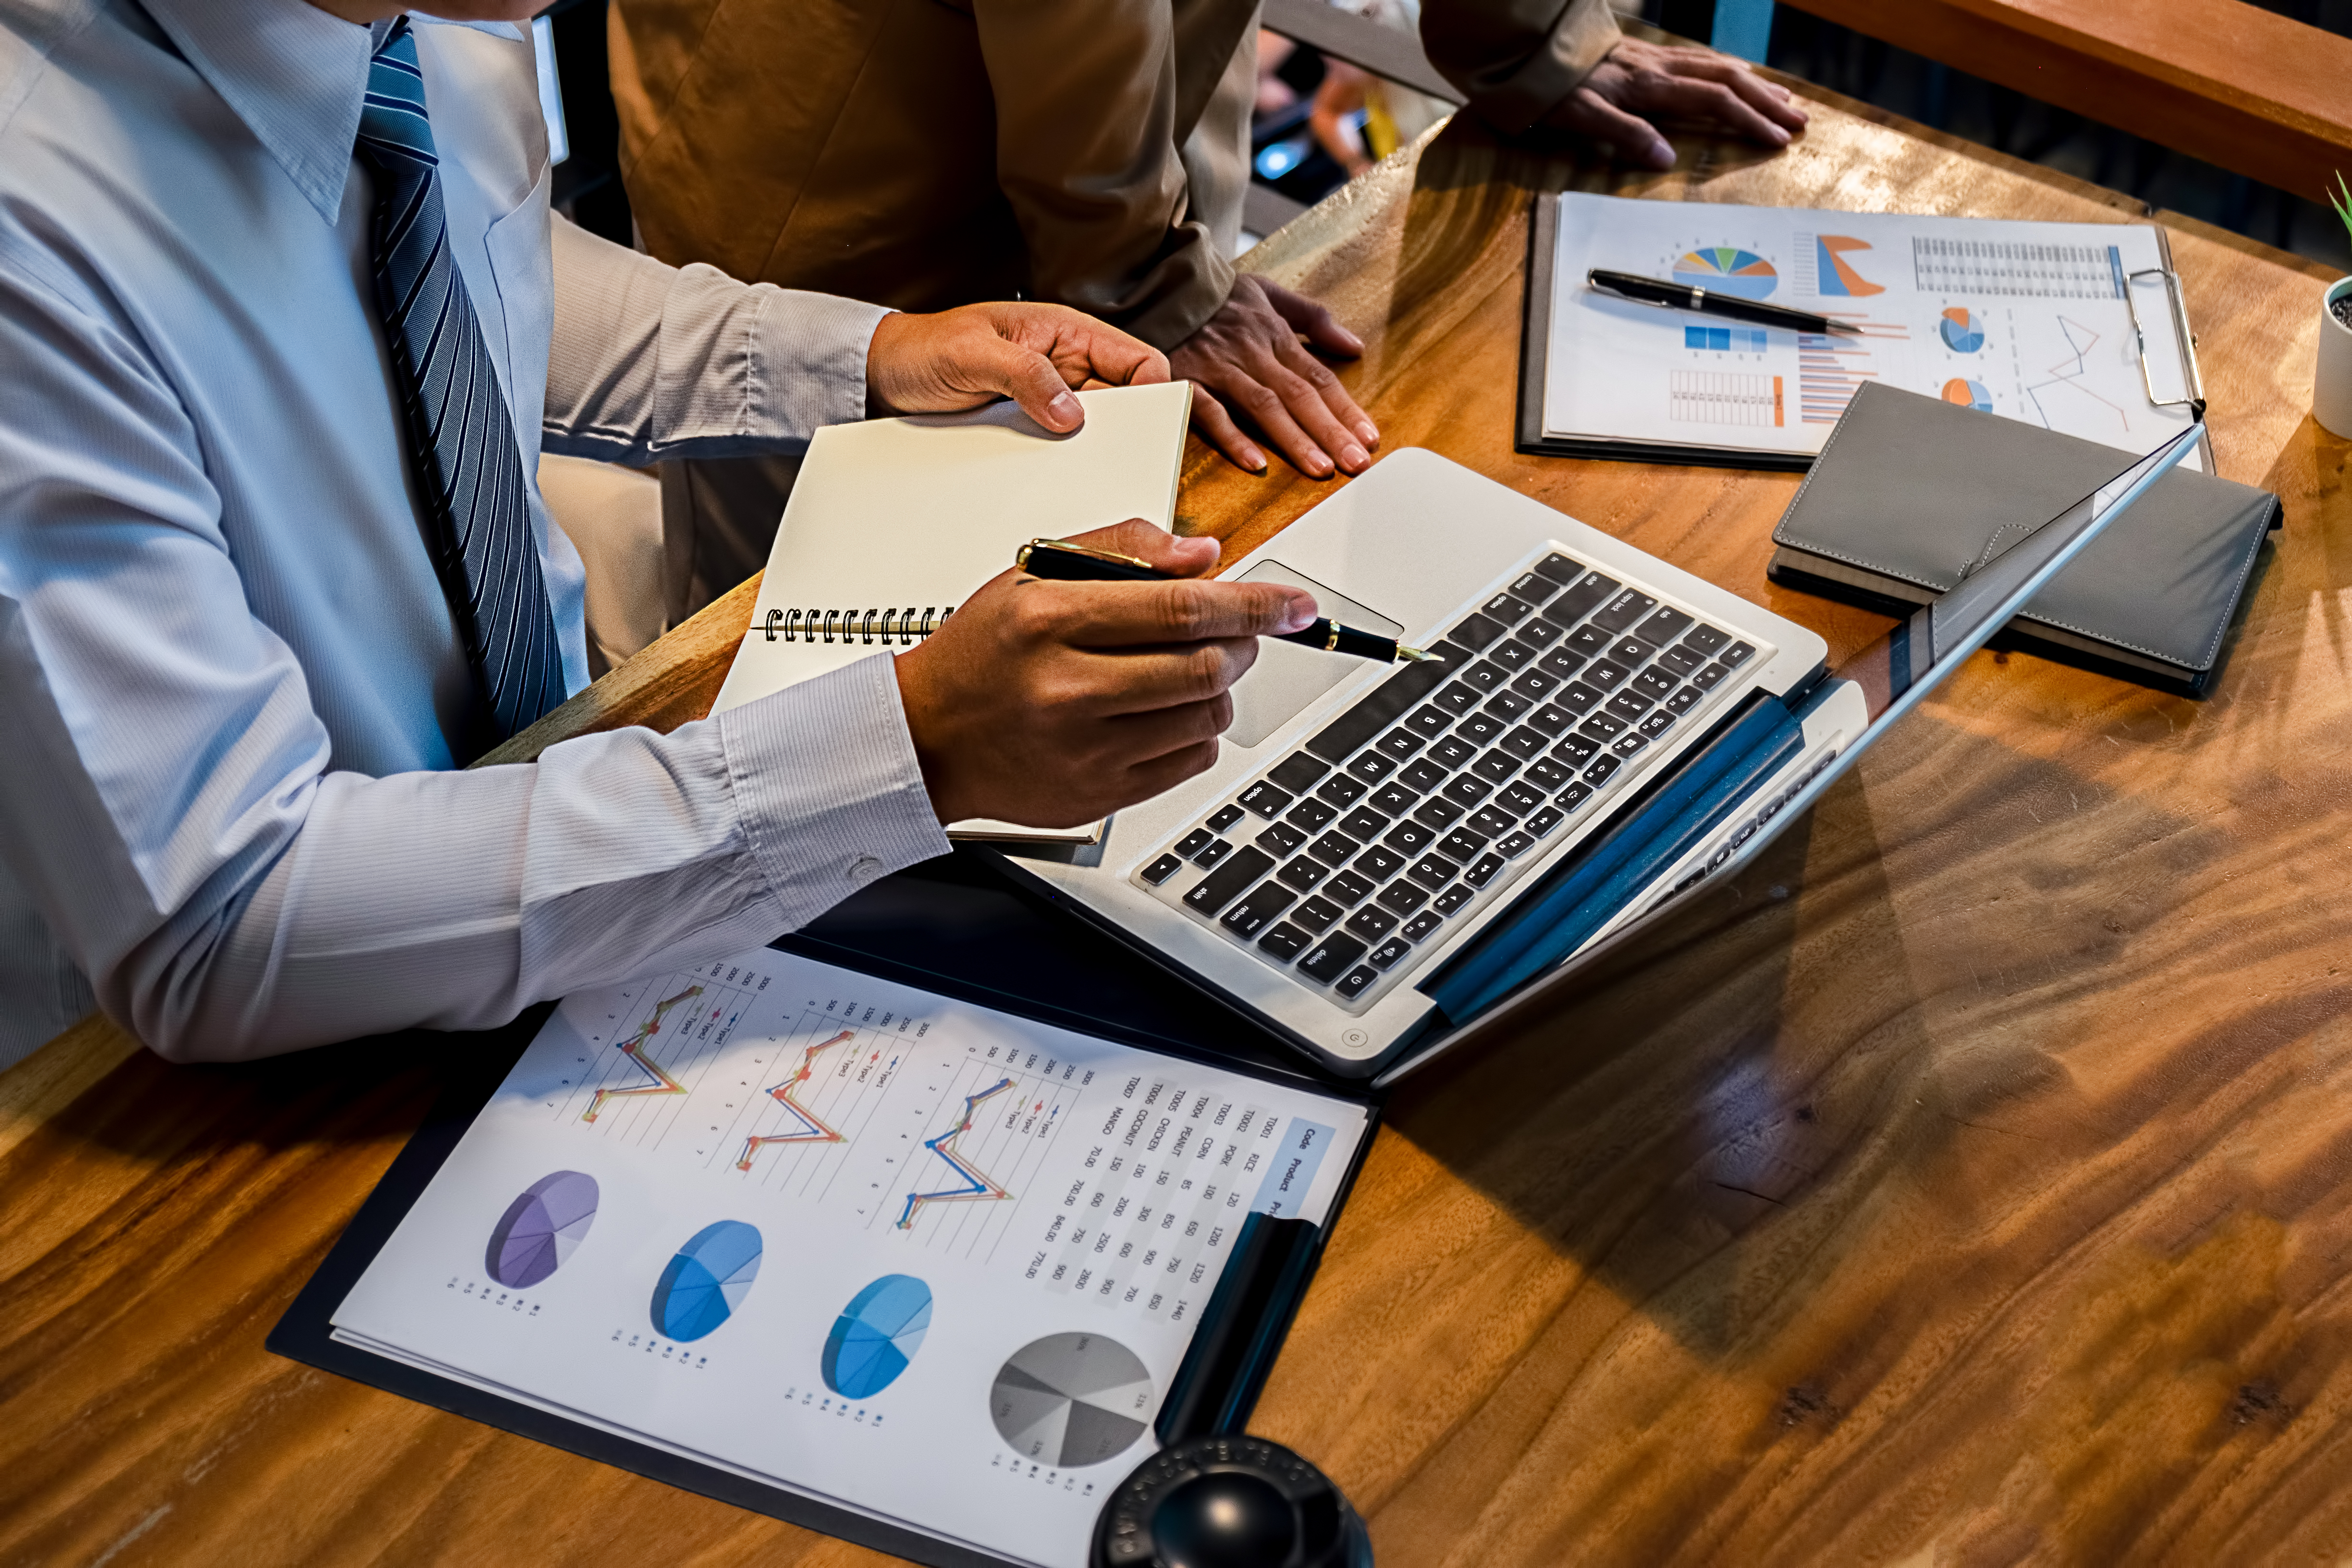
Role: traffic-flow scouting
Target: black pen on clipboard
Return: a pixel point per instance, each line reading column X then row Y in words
column 1684, row 297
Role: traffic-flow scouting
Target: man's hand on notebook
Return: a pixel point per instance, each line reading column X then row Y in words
column 1639, row 81
column 974, row 354
column 1053, row 703
column 1249, row 358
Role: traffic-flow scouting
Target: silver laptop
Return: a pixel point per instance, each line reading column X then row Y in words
column 1385, row 856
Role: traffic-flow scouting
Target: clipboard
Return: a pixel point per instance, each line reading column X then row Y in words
column 1536, row 354
column 974, row 930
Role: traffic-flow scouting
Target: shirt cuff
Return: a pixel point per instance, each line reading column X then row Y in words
column 1587, row 32
column 798, row 366
column 832, row 796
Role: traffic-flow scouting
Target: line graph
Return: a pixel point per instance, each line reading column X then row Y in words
column 634, row 1048
column 813, row 1128
column 2071, row 375
column 978, row 1187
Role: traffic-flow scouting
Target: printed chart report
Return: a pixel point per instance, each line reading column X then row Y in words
column 848, row 1238
column 2024, row 320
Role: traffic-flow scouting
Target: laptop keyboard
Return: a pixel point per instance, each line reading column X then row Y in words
column 1344, row 863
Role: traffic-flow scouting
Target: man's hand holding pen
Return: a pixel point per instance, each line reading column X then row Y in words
column 1053, row 703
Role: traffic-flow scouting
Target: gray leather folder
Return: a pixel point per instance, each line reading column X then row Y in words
column 1909, row 489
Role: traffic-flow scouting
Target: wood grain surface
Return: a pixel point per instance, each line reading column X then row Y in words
column 1964, row 1184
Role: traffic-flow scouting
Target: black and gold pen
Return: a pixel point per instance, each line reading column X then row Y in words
column 1060, row 559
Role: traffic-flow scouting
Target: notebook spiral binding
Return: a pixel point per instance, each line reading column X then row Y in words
column 871, row 626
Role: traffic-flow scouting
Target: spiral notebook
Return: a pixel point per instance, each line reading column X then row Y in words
column 893, row 523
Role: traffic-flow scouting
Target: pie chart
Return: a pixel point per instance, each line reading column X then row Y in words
column 707, row 1280
column 1967, row 395
column 540, row 1229
column 1071, row 1400
column 1727, row 270
column 876, row 1335
column 1962, row 332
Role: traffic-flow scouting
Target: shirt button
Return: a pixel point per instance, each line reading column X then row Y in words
column 865, row 868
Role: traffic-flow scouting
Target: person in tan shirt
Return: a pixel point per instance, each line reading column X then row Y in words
column 926, row 154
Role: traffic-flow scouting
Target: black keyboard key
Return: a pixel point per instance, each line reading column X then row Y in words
column 1625, row 745
column 1388, row 952
column 1349, row 889
column 1571, row 797
column 1575, row 697
column 1409, row 838
column 1662, row 628
column 1229, row 882
column 1403, row 898
column 1570, row 606
column 1622, row 610
column 1357, row 981
column 1628, row 705
column 1506, row 609
column 1735, row 656
column 1561, row 662
column 1430, row 722
column 1680, row 660
column 1379, row 863
column 1421, row 776
column 1304, row 874
column 1576, row 750
column 1602, row 767
column 1713, row 676
column 1421, row 925
column 1437, row 812
column 1452, row 752
column 1401, row 744
column 1254, row 913
column 1523, row 743
column 1601, row 726
column 1537, row 635
column 1334, row 848
column 1316, row 914
column 1495, row 766
column 1550, row 720
column 1533, row 587
column 1227, row 816
column 1391, row 800
column 1452, row 899
column 1706, row 640
column 1370, row 924
column 1519, row 799
column 1509, row 705
column 1395, row 697
column 1652, row 684
column 1603, row 674
column 1330, row 958
column 1511, row 654
column 1266, row 798
column 1463, row 845
column 1455, row 698
column 1515, row 845
column 1160, row 870
column 1544, row 821
column 1215, row 850
column 1339, row 790
column 1490, row 821
column 1534, row 684
column 1433, row 871
column 1486, row 676
column 1280, row 839
column 1371, row 767
column 1630, row 652
column 1655, row 724
column 1483, row 871
column 1475, row 633
column 1683, row 701
column 1192, row 843
column 1467, row 791
column 1284, row 941
column 1297, row 773
column 1363, row 823
column 1311, row 814
column 1547, row 774
column 1557, row 567
column 1480, row 729
column 1587, row 642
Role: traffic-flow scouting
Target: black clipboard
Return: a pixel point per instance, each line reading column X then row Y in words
column 972, row 929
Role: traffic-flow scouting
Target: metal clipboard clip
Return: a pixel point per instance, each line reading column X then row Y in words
column 2195, row 401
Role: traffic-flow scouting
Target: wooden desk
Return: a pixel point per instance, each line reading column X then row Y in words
column 1966, row 1184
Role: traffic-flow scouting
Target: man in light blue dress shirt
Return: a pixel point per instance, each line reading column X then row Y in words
column 231, row 686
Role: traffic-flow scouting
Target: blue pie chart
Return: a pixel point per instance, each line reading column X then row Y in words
column 876, row 1335
column 707, row 1280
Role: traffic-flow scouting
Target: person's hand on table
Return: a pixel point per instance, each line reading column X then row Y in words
column 974, row 354
column 1639, row 81
column 1053, row 703
column 1248, row 359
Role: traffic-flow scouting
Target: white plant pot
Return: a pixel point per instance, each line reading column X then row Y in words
column 2331, row 382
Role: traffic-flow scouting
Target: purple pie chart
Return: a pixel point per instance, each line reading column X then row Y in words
column 540, row 1229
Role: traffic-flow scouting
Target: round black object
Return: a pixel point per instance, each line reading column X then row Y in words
column 1229, row 1502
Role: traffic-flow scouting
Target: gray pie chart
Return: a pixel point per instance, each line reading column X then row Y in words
column 1071, row 1400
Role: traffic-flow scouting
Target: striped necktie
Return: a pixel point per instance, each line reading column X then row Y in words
column 461, row 444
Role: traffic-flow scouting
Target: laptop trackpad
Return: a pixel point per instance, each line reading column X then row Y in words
column 1286, row 677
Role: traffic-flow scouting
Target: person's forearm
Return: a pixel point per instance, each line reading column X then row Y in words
column 651, row 361
column 1517, row 59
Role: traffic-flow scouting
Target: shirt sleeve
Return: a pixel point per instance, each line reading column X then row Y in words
column 1517, row 59
column 651, row 361
column 169, row 797
column 1100, row 195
